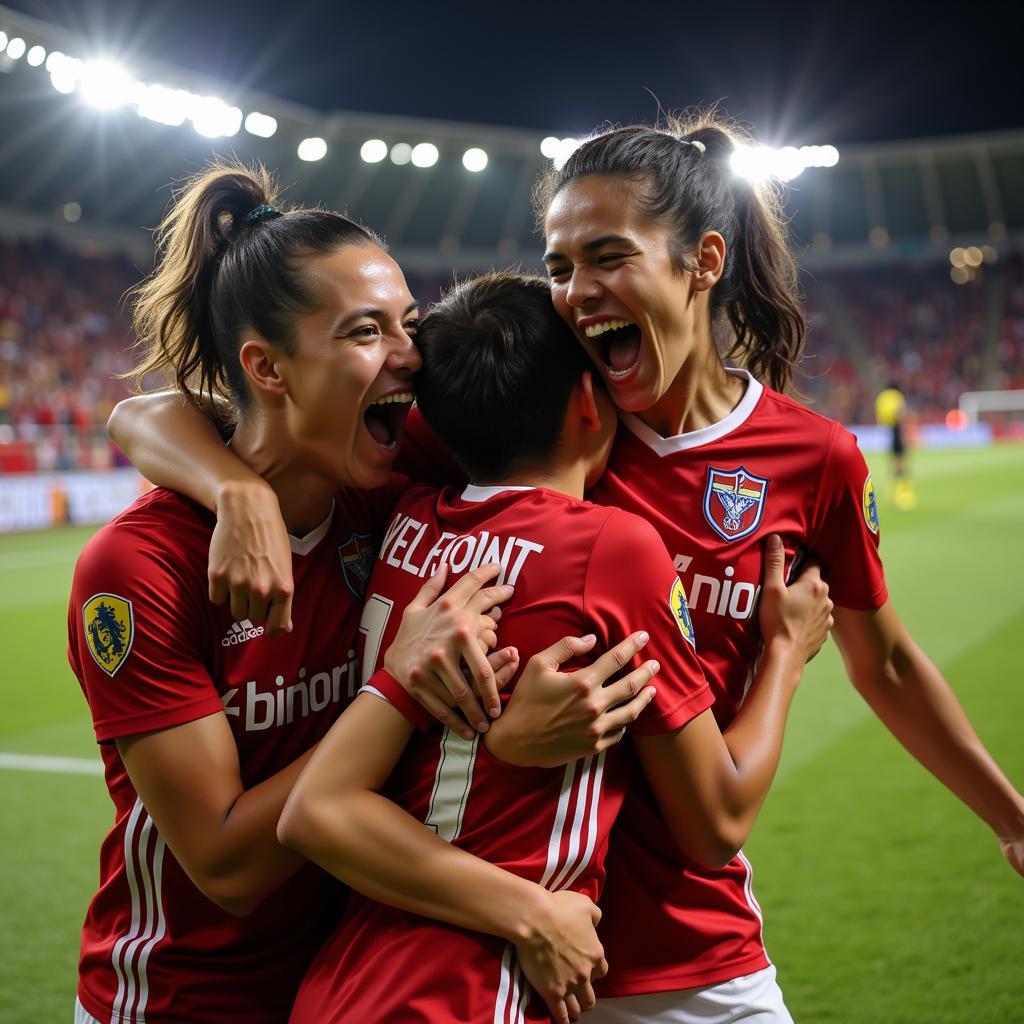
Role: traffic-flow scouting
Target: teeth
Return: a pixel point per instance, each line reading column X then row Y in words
column 402, row 399
column 594, row 330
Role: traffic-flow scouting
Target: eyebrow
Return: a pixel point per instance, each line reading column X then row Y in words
column 371, row 314
column 597, row 243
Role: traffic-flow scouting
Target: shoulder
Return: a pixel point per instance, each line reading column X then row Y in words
column 368, row 511
column 629, row 545
column 778, row 409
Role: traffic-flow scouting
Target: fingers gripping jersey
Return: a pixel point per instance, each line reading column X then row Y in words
column 714, row 495
column 151, row 652
column 576, row 568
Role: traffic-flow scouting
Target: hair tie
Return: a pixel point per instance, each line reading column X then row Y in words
column 260, row 212
column 696, row 143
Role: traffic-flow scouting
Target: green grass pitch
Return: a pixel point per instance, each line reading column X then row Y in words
column 886, row 901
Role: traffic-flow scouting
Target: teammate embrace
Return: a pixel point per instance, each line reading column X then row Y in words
column 652, row 246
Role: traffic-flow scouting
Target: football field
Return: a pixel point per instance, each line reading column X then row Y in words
column 885, row 900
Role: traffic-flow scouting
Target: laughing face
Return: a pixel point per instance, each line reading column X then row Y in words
column 614, row 282
column 349, row 379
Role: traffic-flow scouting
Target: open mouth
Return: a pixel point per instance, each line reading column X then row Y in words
column 617, row 342
column 385, row 418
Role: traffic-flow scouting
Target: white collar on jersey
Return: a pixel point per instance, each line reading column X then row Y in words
column 474, row 493
column 303, row 545
column 681, row 442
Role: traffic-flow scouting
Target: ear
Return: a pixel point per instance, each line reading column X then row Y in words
column 710, row 261
column 260, row 361
column 590, row 414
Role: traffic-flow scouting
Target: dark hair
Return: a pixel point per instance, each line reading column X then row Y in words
column 691, row 189
column 499, row 365
column 221, row 273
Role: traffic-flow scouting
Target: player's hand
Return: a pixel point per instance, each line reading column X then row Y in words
column 800, row 615
column 250, row 558
column 555, row 717
column 563, row 956
column 442, row 631
column 1013, row 851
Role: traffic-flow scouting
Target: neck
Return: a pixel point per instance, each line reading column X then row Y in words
column 569, row 479
column 304, row 495
column 701, row 394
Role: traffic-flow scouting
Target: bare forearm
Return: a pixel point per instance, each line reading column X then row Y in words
column 174, row 445
column 373, row 845
column 916, row 704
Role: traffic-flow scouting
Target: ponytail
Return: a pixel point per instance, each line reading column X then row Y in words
column 228, row 262
column 685, row 181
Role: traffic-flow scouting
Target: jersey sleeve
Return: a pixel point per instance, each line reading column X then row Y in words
column 384, row 685
column 845, row 535
column 631, row 585
column 136, row 633
column 423, row 458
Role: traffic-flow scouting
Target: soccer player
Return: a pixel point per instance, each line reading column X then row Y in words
column 495, row 346
column 654, row 249
column 891, row 411
column 204, row 722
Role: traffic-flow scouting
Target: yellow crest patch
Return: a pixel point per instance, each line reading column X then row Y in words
column 681, row 612
column 870, row 505
column 109, row 630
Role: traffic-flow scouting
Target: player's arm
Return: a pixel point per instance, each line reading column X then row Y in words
column 336, row 817
column 176, row 443
column 710, row 786
column 911, row 696
column 223, row 835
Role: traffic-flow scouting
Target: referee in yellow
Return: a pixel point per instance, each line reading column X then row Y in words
column 890, row 411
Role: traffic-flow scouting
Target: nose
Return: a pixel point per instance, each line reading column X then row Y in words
column 583, row 288
column 404, row 354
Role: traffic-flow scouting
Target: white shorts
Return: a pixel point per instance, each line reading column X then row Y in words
column 753, row 999
column 82, row 1015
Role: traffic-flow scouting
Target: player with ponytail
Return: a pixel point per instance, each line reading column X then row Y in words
column 676, row 276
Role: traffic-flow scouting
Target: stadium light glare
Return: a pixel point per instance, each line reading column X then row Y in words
column 424, row 154
column 566, row 148
column 312, row 149
column 162, row 105
column 401, row 153
column 973, row 256
column 36, row 56
column 213, row 118
column 103, row 84
column 16, row 48
column 3, row 41
column 54, row 59
column 373, row 151
column 474, row 159
column 259, row 124
column 72, row 212
column 550, row 146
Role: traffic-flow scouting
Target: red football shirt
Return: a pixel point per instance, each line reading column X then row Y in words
column 576, row 568
column 151, row 652
column 714, row 495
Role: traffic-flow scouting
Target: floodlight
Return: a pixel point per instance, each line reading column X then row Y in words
column 259, row 124
column 53, row 60
column 3, row 41
column 16, row 48
column 566, row 148
column 550, row 146
column 36, row 56
column 424, row 154
column 474, row 159
column 401, row 153
column 103, row 84
column 373, row 150
column 312, row 149
column 163, row 105
column 72, row 212
column 213, row 118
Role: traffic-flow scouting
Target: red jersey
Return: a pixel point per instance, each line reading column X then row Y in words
column 576, row 568
column 150, row 652
column 771, row 466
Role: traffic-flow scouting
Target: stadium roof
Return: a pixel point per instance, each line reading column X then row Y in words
column 73, row 167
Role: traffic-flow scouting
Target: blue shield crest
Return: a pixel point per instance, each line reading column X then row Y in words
column 734, row 501
column 356, row 557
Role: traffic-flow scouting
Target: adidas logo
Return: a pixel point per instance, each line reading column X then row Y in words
column 240, row 632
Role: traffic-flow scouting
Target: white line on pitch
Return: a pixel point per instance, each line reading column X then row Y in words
column 41, row 763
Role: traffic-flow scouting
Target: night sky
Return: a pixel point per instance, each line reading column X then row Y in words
column 795, row 73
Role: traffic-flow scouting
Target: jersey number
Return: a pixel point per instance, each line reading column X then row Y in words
column 372, row 625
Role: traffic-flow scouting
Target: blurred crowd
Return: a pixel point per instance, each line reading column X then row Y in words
column 65, row 338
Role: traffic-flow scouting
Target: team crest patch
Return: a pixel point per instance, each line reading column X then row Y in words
column 356, row 556
column 734, row 502
column 109, row 630
column 681, row 612
column 870, row 505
